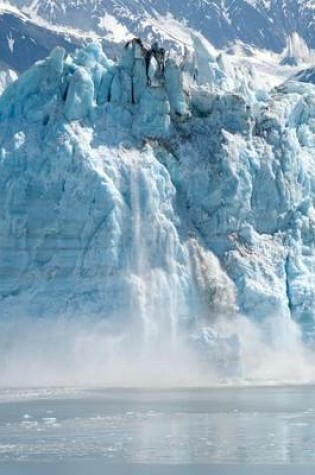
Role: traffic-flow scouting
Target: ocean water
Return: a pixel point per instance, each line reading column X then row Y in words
column 260, row 430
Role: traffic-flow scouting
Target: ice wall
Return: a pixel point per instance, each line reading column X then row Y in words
column 89, row 218
column 251, row 196
column 166, row 211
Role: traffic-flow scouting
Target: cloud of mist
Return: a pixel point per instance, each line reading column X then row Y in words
column 84, row 352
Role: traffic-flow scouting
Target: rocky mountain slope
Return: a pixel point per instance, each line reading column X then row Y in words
column 24, row 41
column 264, row 24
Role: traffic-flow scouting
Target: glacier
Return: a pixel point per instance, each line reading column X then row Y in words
column 180, row 212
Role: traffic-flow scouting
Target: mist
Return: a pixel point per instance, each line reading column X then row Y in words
column 88, row 352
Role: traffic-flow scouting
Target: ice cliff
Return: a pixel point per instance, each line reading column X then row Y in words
column 160, row 208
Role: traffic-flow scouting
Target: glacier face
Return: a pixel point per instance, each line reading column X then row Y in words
column 84, row 198
column 165, row 210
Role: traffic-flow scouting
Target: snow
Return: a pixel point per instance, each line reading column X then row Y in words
column 297, row 51
column 113, row 28
column 11, row 42
column 7, row 76
column 7, row 7
column 164, row 211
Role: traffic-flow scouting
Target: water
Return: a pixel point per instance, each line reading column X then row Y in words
column 184, row 431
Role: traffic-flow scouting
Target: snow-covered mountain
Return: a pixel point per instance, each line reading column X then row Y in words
column 30, row 29
column 24, row 41
column 165, row 210
column 263, row 23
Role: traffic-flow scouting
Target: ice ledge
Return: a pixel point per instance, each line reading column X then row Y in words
column 146, row 96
